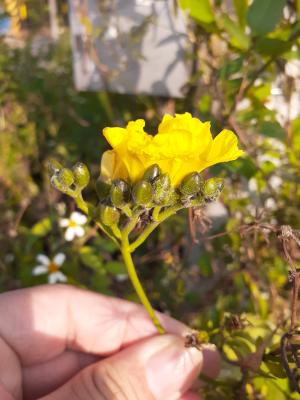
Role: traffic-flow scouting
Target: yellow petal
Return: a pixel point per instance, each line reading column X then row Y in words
column 174, row 144
column 224, row 148
column 112, row 167
column 180, row 122
column 115, row 136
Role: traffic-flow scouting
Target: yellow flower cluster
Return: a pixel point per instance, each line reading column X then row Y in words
column 182, row 145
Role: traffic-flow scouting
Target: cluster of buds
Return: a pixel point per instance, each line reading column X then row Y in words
column 120, row 200
column 69, row 181
column 154, row 189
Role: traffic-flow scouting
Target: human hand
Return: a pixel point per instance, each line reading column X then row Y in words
column 60, row 343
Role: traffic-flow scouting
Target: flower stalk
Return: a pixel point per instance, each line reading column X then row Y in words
column 126, row 253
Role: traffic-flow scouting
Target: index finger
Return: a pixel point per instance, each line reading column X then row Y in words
column 41, row 322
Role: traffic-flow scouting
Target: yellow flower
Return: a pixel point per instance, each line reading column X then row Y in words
column 182, row 145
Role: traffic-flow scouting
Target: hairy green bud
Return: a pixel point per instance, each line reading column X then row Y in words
column 191, row 184
column 119, row 193
column 212, row 189
column 161, row 186
column 108, row 215
column 54, row 166
column 152, row 173
column 81, row 174
column 142, row 193
column 65, row 177
column 102, row 189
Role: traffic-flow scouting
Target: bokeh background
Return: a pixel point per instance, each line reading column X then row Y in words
column 221, row 270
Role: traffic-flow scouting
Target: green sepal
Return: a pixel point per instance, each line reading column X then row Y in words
column 161, row 187
column 212, row 189
column 151, row 173
column 119, row 193
column 81, row 174
column 102, row 189
column 108, row 215
column 142, row 193
column 191, row 184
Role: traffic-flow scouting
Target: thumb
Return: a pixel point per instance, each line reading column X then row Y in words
column 159, row 368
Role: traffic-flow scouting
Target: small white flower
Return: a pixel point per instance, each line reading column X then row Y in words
column 270, row 204
column 73, row 225
column 50, row 267
column 275, row 182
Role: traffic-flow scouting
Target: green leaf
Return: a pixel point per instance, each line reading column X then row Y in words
column 115, row 267
column 264, row 15
column 241, row 7
column 231, row 67
column 201, row 10
column 42, row 228
column 276, row 369
column 238, row 38
column 272, row 47
column 90, row 259
column 272, row 129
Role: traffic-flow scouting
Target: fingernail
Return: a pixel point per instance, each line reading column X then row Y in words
column 171, row 370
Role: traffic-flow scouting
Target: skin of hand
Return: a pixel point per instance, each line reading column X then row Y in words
column 60, row 342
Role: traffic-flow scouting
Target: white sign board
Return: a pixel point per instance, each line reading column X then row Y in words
column 129, row 46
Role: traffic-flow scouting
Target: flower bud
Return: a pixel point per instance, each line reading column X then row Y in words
column 81, row 174
column 54, row 166
column 212, row 188
column 108, row 215
column 172, row 198
column 65, row 177
column 191, row 184
column 161, row 186
column 102, row 189
column 142, row 193
column 119, row 193
column 151, row 173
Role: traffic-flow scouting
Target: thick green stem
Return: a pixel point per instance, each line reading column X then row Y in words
column 137, row 284
column 82, row 204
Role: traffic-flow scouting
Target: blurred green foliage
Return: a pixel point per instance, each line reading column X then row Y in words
column 246, row 72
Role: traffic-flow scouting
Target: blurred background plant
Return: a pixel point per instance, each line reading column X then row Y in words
column 223, row 271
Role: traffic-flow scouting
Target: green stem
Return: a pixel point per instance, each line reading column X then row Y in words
column 137, row 284
column 131, row 224
column 81, row 203
column 109, row 234
column 155, row 214
column 143, row 236
column 116, row 231
column 150, row 228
